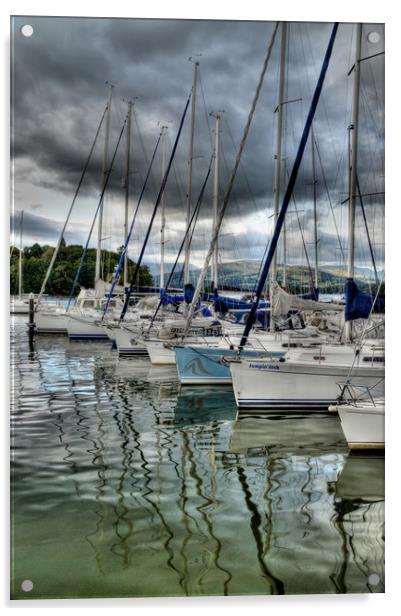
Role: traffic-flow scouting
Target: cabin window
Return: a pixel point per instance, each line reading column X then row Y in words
column 88, row 304
column 377, row 359
column 318, row 357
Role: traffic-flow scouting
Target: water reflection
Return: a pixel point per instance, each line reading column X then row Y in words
column 124, row 485
column 359, row 505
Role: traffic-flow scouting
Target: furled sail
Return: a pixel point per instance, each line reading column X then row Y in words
column 284, row 302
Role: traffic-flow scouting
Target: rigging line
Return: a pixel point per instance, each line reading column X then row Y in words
column 329, row 198
column 364, row 92
column 81, row 179
column 201, row 199
column 311, row 280
column 378, row 138
column 159, row 197
column 234, row 201
column 323, row 103
column 192, row 223
column 373, row 151
column 177, row 179
column 367, row 230
column 226, row 200
column 151, row 182
column 290, row 186
column 120, row 110
column 337, row 156
column 373, row 81
column 194, row 220
column 96, row 213
column 145, row 154
column 122, row 256
column 205, row 108
column 144, row 151
column 243, row 172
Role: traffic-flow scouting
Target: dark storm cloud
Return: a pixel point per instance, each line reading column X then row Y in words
column 59, row 95
column 39, row 229
column 34, row 226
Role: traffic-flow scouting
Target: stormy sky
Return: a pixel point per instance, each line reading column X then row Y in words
column 59, row 94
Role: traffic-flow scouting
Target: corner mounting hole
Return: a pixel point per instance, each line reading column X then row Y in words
column 27, row 585
column 373, row 37
column 27, row 30
column 373, row 579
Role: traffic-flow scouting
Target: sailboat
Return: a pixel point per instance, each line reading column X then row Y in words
column 205, row 363
column 130, row 334
column 19, row 305
column 361, row 413
column 54, row 319
column 307, row 378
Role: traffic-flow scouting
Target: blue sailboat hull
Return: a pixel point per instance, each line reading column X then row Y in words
column 204, row 365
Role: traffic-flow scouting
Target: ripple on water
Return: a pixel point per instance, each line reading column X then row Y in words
column 125, row 485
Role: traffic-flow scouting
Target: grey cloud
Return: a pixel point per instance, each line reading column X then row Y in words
column 59, row 96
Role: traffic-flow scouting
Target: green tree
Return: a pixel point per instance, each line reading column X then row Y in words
column 36, row 260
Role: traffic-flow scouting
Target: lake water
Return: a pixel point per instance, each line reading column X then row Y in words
column 123, row 485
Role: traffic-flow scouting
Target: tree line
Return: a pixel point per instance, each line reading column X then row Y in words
column 36, row 260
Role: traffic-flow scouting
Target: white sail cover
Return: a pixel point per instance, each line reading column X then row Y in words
column 283, row 302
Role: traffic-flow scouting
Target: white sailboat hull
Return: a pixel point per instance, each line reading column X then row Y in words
column 51, row 322
column 18, row 306
column 277, row 385
column 363, row 424
column 160, row 353
column 85, row 328
column 129, row 342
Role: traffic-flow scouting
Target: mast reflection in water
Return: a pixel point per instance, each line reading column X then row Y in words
column 122, row 485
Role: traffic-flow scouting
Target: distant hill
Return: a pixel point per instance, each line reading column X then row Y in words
column 243, row 276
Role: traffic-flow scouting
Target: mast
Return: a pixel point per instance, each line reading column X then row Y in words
column 190, row 158
column 216, row 198
column 61, row 236
column 103, row 179
column 20, row 257
column 277, row 155
column 158, row 199
column 289, row 189
column 163, row 208
column 354, row 163
column 314, row 210
column 126, row 181
column 284, row 236
column 228, row 191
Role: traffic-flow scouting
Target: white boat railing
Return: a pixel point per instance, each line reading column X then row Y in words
column 356, row 393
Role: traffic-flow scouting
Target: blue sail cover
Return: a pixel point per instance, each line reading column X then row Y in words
column 167, row 298
column 358, row 304
column 262, row 318
column 189, row 291
column 223, row 304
